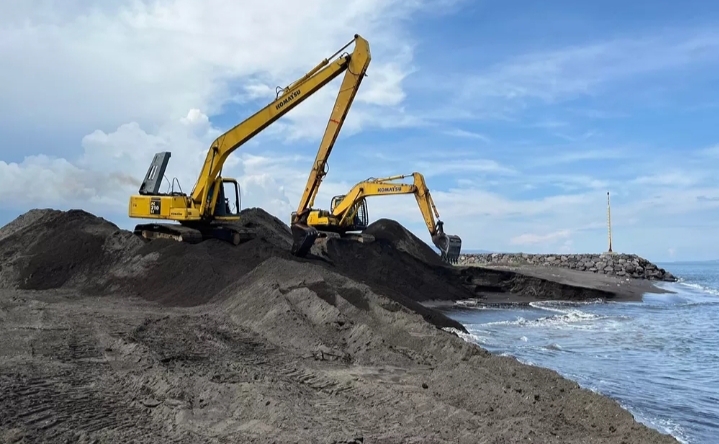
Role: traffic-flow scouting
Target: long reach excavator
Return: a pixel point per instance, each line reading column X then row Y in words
column 303, row 235
column 214, row 204
column 348, row 213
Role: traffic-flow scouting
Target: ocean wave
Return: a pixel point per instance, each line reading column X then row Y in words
column 472, row 303
column 635, row 352
column 522, row 360
column 570, row 317
column 665, row 425
column 563, row 315
column 469, row 337
column 701, row 288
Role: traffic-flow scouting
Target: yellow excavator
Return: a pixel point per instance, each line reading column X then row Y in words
column 214, row 204
column 348, row 213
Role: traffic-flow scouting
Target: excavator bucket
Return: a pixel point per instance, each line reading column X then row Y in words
column 303, row 237
column 449, row 244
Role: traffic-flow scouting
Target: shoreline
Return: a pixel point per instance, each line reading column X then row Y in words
column 620, row 289
column 521, row 313
column 602, row 288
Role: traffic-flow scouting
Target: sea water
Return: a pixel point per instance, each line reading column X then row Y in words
column 658, row 358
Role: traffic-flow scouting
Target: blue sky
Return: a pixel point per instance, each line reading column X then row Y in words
column 521, row 116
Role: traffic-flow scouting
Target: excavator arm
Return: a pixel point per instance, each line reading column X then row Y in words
column 382, row 187
column 304, row 235
column 343, row 216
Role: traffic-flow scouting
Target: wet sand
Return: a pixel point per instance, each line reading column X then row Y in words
column 619, row 289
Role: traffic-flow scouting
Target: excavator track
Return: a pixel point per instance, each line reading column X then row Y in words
column 194, row 235
column 304, row 236
column 169, row 231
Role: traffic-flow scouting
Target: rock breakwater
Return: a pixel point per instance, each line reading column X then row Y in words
column 622, row 265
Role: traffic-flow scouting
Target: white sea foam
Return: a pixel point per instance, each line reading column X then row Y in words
column 702, row 288
column 653, row 356
column 469, row 337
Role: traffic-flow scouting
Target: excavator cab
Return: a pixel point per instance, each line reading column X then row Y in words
column 359, row 213
column 227, row 205
column 449, row 244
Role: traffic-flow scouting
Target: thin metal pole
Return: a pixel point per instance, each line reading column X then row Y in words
column 609, row 222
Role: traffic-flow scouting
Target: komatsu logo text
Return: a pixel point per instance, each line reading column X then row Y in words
column 389, row 189
column 288, row 99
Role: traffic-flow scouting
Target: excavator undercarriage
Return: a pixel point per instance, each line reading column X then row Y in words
column 194, row 233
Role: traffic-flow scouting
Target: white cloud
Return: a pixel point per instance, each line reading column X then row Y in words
column 579, row 69
column 580, row 153
column 584, row 136
column 566, row 247
column 712, row 152
column 113, row 164
column 468, row 134
column 92, row 67
column 548, row 124
column 572, row 182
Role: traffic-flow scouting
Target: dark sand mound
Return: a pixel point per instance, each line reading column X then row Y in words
column 187, row 275
column 391, row 271
column 46, row 249
column 404, row 240
column 267, row 227
column 54, row 249
column 49, row 249
column 249, row 344
column 292, row 353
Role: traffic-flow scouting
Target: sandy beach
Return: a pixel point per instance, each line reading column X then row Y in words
column 108, row 338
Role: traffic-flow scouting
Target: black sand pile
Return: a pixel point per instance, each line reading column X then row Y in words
column 267, row 227
column 49, row 249
column 77, row 250
column 249, row 344
column 404, row 240
column 395, row 274
column 46, row 249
